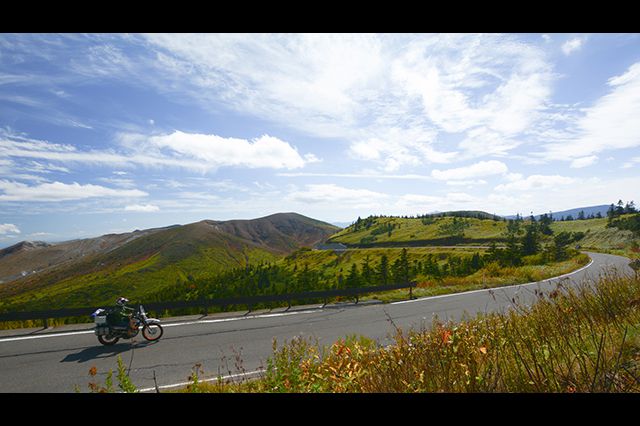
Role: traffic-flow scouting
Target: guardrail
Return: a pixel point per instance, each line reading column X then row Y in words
column 206, row 303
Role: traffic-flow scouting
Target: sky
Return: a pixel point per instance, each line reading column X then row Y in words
column 108, row 133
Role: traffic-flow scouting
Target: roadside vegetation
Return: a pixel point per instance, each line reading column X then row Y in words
column 584, row 339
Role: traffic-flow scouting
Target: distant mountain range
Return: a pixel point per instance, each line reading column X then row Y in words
column 201, row 247
column 602, row 209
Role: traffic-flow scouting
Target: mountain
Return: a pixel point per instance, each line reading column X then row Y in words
column 602, row 209
column 142, row 262
column 28, row 257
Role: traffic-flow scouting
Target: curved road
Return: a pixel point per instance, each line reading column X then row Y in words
column 59, row 360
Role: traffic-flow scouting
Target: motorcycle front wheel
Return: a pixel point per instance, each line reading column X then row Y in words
column 108, row 340
column 152, row 332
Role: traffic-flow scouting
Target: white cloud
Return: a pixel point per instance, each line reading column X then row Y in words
column 337, row 195
column 631, row 163
column 37, row 167
column 373, row 90
column 448, row 76
column 314, row 82
column 561, row 193
column 363, row 175
column 120, row 182
column 572, row 45
column 396, row 147
column 581, row 162
column 145, row 208
column 58, row 191
column 8, row 228
column 535, row 182
column 610, row 123
column 480, row 169
column 192, row 151
column 215, row 151
column 466, row 182
column 420, row 203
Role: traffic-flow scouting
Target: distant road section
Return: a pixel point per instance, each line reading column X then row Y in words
column 58, row 360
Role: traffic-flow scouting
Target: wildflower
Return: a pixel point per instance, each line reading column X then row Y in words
column 446, row 336
column 483, row 350
column 93, row 371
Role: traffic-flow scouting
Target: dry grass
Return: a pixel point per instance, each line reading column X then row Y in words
column 572, row 340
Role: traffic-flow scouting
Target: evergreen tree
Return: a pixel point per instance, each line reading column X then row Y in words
column 353, row 278
column 531, row 240
column 560, row 244
column 545, row 224
column 476, row 261
column 383, row 270
column 630, row 207
column 400, row 269
column 513, row 250
column 367, row 273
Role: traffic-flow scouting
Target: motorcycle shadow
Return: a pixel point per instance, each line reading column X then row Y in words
column 103, row 352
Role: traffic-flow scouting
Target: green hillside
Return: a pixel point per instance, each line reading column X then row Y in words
column 599, row 237
column 441, row 231
column 174, row 256
column 419, row 231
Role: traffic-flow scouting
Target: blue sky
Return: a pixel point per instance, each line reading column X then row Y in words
column 107, row 133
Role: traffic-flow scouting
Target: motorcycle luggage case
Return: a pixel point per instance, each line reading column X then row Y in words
column 102, row 331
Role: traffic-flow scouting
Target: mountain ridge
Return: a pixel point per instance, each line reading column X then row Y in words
column 278, row 233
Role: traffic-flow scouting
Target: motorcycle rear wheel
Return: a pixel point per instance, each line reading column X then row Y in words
column 152, row 332
column 108, row 340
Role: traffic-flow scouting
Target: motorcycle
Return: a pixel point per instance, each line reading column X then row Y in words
column 109, row 334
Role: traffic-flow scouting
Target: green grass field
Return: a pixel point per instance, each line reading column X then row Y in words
column 412, row 229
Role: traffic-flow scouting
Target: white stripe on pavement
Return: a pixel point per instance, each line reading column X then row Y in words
column 209, row 321
column 230, row 376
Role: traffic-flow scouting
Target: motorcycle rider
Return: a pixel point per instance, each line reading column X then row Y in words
column 121, row 314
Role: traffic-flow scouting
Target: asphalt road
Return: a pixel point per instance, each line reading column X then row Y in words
column 58, row 360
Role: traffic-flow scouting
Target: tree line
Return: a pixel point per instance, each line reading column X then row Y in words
column 535, row 238
column 276, row 278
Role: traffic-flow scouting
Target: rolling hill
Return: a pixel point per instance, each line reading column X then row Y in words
column 481, row 229
column 138, row 263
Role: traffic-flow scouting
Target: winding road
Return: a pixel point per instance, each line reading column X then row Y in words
column 236, row 344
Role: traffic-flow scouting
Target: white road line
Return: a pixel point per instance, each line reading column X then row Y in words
column 210, row 321
column 72, row 333
column 464, row 293
column 281, row 314
column 231, row 376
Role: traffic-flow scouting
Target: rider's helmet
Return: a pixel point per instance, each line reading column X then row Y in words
column 122, row 301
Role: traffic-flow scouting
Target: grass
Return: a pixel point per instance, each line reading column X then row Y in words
column 585, row 339
column 490, row 276
column 413, row 229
